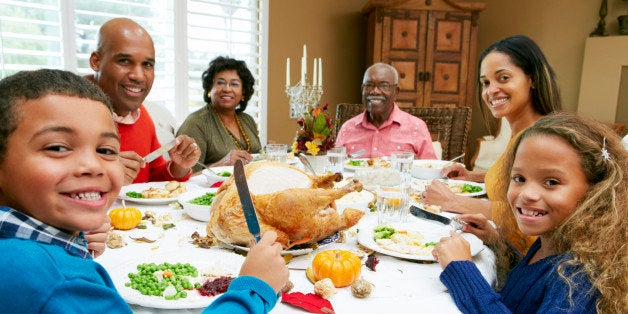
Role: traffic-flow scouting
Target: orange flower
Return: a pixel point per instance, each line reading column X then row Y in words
column 316, row 132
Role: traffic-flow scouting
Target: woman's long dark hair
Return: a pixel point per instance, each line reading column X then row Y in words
column 527, row 56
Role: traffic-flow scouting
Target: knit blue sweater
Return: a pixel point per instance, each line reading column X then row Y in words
column 45, row 270
column 533, row 288
column 43, row 278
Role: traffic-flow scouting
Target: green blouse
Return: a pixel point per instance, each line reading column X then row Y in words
column 213, row 139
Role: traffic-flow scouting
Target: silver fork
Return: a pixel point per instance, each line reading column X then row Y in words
column 457, row 224
column 446, row 178
column 204, row 166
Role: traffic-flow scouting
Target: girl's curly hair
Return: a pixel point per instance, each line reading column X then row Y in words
column 595, row 234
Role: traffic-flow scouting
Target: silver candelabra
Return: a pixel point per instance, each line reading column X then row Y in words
column 302, row 97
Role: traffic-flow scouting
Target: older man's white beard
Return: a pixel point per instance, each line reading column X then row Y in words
column 374, row 101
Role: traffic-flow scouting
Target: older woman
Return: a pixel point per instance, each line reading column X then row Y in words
column 223, row 132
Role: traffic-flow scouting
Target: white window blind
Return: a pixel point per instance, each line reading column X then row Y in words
column 187, row 35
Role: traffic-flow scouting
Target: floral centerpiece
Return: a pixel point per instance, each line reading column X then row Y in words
column 316, row 134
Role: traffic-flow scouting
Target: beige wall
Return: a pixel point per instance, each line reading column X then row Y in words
column 560, row 27
column 334, row 30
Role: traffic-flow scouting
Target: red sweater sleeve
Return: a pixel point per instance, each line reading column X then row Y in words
column 141, row 137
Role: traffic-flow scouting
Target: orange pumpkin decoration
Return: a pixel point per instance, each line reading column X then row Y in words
column 342, row 267
column 125, row 218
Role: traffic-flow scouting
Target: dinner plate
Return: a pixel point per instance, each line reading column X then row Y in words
column 430, row 233
column 381, row 162
column 219, row 262
column 419, row 185
column 139, row 187
column 295, row 252
column 290, row 158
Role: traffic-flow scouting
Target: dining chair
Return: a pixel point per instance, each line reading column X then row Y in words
column 449, row 126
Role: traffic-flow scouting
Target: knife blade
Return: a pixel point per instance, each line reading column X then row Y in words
column 246, row 200
column 160, row 151
column 425, row 215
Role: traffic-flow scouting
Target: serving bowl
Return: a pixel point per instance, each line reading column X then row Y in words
column 216, row 177
column 429, row 169
column 196, row 211
column 372, row 177
column 358, row 200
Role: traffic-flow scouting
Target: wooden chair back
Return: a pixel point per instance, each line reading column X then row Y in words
column 449, row 126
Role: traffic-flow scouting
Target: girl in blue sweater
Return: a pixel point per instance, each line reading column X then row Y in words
column 565, row 184
column 59, row 174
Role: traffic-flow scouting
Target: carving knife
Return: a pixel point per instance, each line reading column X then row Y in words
column 160, row 151
column 425, row 215
column 246, row 200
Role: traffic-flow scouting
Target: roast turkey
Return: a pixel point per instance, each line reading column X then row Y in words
column 298, row 206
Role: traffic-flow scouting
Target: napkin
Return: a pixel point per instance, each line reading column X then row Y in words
column 309, row 302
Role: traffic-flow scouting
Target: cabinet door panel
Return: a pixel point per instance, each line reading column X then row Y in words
column 446, row 57
column 446, row 77
column 406, row 52
column 448, row 36
column 407, row 74
column 433, row 49
column 405, row 34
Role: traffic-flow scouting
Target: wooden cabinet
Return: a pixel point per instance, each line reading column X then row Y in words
column 431, row 43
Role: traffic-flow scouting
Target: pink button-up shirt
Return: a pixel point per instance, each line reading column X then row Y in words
column 401, row 132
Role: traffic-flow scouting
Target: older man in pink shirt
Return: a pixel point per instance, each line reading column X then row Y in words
column 383, row 128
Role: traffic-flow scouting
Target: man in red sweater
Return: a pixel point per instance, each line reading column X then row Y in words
column 124, row 63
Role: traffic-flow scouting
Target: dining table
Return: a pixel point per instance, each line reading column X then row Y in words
column 400, row 285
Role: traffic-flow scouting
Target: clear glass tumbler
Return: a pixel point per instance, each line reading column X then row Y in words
column 336, row 157
column 276, row 152
column 392, row 204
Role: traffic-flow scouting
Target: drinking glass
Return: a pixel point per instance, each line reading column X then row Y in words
column 392, row 204
column 277, row 152
column 336, row 157
column 402, row 161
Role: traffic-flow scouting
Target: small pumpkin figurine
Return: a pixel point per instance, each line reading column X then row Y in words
column 125, row 218
column 342, row 267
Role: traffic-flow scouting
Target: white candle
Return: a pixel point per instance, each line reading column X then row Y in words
column 287, row 72
column 314, row 80
column 304, row 65
column 320, row 72
column 303, row 70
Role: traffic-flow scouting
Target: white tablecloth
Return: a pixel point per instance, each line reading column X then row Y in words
column 401, row 286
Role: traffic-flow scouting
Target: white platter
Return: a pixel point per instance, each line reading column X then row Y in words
column 419, row 185
column 295, row 252
column 139, row 187
column 210, row 259
column 431, row 234
column 381, row 162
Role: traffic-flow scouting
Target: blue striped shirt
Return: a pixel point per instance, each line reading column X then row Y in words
column 15, row 224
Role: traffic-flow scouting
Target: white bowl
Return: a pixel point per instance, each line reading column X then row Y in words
column 372, row 177
column 212, row 178
column 428, row 169
column 358, row 200
column 198, row 212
